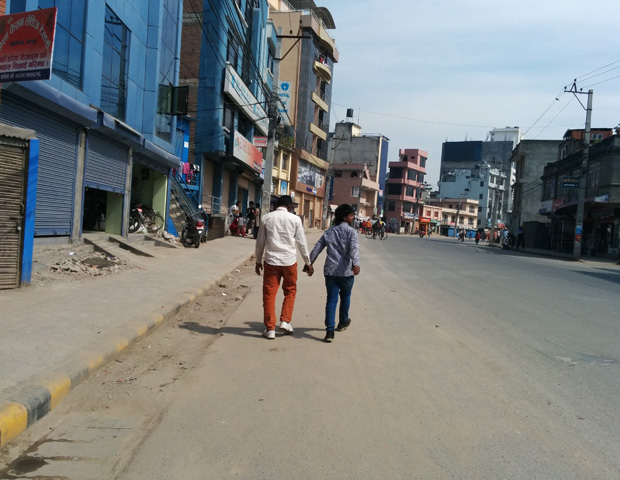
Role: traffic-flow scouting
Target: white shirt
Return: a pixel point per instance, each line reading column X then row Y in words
column 278, row 234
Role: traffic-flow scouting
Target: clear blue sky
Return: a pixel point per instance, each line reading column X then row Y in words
column 422, row 72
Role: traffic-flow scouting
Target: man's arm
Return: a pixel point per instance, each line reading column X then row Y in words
column 260, row 248
column 300, row 239
column 354, row 250
column 318, row 248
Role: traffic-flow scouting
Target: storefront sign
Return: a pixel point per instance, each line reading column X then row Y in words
column 285, row 102
column 260, row 142
column 245, row 100
column 570, row 182
column 247, row 153
column 27, row 45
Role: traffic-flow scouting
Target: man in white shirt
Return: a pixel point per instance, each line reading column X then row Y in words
column 279, row 235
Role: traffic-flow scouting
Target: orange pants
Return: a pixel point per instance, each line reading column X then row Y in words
column 271, row 282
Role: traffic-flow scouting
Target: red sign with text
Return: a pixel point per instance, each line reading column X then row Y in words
column 27, row 45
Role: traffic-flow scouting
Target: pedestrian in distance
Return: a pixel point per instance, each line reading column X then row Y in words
column 281, row 232
column 341, row 266
column 251, row 215
column 520, row 238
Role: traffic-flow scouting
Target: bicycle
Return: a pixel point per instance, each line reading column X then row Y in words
column 143, row 216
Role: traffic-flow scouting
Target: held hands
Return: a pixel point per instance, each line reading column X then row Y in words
column 356, row 270
column 309, row 269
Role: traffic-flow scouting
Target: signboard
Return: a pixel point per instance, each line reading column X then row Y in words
column 260, row 142
column 27, row 45
column 247, row 153
column 570, row 182
column 285, row 102
column 244, row 99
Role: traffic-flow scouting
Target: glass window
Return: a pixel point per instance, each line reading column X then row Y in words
column 480, row 196
column 115, row 66
column 167, row 63
column 228, row 118
column 69, row 39
column 232, row 53
column 391, row 206
column 355, row 191
column 284, row 164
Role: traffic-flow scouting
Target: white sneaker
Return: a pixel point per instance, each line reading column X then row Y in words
column 269, row 334
column 285, row 327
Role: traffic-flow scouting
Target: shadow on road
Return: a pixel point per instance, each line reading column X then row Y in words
column 612, row 275
column 253, row 329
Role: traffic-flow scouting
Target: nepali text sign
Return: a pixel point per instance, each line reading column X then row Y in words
column 570, row 182
column 247, row 153
column 27, row 45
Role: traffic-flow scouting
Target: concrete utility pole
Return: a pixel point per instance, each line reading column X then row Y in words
column 581, row 199
column 272, row 113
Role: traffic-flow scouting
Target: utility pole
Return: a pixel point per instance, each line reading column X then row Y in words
column 581, row 199
column 272, row 113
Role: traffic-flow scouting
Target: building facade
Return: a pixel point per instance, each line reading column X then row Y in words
column 601, row 218
column 404, row 189
column 107, row 138
column 470, row 163
column 308, row 55
column 228, row 53
column 359, row 168
column 530, row 158
column 457, row 214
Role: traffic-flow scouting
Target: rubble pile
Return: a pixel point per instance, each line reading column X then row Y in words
column 94, row 264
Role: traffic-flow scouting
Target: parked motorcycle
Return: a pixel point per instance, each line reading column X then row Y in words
column 421, row 233
column 194, row 232
column 144, row 216
column 508, row 242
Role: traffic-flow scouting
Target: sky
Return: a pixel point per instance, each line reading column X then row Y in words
column 423, row 72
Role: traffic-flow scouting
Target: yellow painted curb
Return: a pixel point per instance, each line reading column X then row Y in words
column 13, row 421
column 58, row 387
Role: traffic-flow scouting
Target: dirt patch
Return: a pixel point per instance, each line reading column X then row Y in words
column 73, row 263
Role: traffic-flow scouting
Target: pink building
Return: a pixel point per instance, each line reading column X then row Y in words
column 354, row 184
column 403, row 190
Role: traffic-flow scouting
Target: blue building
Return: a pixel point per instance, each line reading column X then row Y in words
column 227, row 60
column 106, row 120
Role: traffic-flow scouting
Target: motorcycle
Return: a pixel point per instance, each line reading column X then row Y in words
column 194, row 231
column 508, row 241
column 421, row 234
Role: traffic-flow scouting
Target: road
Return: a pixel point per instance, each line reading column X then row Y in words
column 462, row 361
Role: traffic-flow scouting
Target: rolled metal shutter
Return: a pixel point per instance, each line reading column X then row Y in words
column 106, row 164
column 57, row 164
column 12, row 162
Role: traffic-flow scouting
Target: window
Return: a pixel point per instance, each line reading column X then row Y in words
column 337, row 173
column 479, row 209
column 423, row 161
column 481, row 196
column 284, row 162
column 470, row 221
column 452, row 218
column 228, row 117
column 115, row 66
column 410, row 192
column 394, row 189
column 69, row 39
column 593, row 179
column 472, row 209
column 482, row 183
column 450, row 206
column 353, row 174
column 167, row 61
column 411, row 175
column 355, row 192
column 232, row 51
column 391, row 206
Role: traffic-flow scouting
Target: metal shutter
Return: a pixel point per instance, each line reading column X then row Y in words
column 57, row 164
column 12, row 161
column 106, row 164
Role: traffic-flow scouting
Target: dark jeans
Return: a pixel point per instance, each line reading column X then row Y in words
column 337, row 287
column 520, row 241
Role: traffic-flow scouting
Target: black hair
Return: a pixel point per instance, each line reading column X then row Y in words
column 284, row 201
column 342, row 212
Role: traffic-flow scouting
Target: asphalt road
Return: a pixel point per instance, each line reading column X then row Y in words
column 462, row 362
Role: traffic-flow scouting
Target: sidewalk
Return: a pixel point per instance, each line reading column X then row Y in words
column 52, row 338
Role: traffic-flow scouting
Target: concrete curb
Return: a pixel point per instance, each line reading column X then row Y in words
column 31, row 402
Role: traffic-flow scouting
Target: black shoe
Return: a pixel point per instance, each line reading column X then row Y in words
column 329, row 336
column 343, row 325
